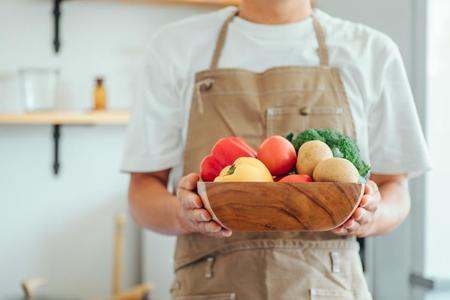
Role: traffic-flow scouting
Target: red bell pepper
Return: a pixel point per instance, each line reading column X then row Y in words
column 223, row 154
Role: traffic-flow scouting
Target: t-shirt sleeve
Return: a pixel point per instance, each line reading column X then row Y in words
column 153, row 141
column 396, row 141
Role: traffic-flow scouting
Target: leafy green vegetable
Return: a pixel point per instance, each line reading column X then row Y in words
column 305, row 136
column 341, row 145
column 337, row 152
column 290, row 136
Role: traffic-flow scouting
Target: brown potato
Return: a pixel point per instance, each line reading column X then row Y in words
column 336, row 170
column 310, row 154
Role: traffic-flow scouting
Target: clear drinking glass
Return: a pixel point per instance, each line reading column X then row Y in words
column 39, row 87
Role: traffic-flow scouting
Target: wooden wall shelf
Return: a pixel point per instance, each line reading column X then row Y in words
column 66, row 118
column 59, row 118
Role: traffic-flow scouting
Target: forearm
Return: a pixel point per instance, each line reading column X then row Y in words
column 394, row 207
column 153, row 207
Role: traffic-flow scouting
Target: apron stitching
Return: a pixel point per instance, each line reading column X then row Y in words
column 243, row 93
column 349, row 244
column 303, row 110
column 288, row 91
column 261, row 101
column 268, row 72
column 343, row 95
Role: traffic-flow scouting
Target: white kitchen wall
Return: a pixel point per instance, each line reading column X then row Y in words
column 437, row 223
column 62, row 227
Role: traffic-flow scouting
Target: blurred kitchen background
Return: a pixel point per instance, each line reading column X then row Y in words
column 63, row 226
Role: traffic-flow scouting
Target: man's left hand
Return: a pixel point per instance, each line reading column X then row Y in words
column 362, row 220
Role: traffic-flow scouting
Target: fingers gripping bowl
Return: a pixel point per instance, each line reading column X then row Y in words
column 253, row 201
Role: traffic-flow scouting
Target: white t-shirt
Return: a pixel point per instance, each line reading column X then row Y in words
column 388, row 129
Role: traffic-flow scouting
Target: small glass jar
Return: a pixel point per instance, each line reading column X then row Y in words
column 99, row 95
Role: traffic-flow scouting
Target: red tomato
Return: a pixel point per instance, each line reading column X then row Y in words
column 297, row 178
column 278, row 154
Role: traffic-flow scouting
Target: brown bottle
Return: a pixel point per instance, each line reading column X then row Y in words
column 99, row 95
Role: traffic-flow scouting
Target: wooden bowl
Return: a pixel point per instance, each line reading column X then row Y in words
column 279, row 206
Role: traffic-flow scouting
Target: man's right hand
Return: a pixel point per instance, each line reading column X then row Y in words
column 192, row 214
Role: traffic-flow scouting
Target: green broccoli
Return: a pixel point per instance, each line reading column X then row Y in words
column 342, row 146
column 305, row 136
column 290, row 136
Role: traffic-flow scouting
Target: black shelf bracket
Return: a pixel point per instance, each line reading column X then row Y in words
column 56, row 25
column 56, row 138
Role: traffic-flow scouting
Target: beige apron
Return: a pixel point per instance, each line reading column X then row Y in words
column 286, row 265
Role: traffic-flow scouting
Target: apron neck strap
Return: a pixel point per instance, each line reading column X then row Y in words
column 318, row 29
column 221, row 40
column 320, row 35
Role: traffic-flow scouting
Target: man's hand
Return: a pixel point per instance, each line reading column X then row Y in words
column 361, row 222
column 192, row 214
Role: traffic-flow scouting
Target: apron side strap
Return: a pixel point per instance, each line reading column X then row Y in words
column 323, row 49
column 221, row 41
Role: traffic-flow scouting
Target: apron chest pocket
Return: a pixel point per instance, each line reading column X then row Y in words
column 222, row 296
column 325, row 294
column 282, row 120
